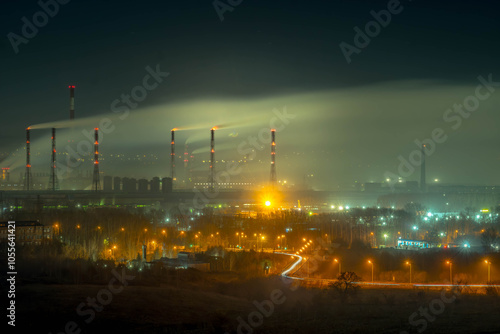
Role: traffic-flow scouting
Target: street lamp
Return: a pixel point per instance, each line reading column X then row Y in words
column 340, row 266
column 370, row 262
column 385, row 239
column 451, row 275
column 409, row 263
column 489, row 269
column 262, row 238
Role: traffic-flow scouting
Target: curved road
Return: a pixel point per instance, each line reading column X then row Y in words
column 290, row 270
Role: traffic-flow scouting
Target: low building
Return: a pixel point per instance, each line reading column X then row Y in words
column 27, row 233
column 412, row 244
column 185, row 260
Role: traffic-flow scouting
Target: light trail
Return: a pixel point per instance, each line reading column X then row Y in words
column 387, row 284
column 292, row 267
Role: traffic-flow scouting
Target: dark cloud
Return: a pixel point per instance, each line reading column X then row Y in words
column 353, row 120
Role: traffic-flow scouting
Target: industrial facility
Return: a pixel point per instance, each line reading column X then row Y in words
column 197, row 188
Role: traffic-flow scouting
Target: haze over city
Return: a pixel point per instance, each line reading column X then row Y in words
column 252, row 166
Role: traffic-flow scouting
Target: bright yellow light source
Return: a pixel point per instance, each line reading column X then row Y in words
column 268, row 203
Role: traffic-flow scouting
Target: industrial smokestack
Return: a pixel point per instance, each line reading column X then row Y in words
column 186, row 164
column 53, row 175
column 5, row 173
column 211, row 177
column 172, row 155
column 423, row 184
column 273, row 155
column 96, row 184
column 71, row 102
column 28, row 177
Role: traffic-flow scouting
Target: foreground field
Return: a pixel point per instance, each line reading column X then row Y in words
column 262, row 305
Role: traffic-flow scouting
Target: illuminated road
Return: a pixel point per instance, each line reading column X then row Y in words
column 290, row 270
column 292, row 267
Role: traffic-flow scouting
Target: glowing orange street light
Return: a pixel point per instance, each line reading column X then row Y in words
column 340, row 265
column 409, row 263
column 370, row 262
column 489, row 269
column 451, row 275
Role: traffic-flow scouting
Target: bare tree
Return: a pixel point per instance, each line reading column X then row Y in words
column 489, row 238
column 346, row 284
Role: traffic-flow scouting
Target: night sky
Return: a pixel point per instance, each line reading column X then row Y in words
column 352, row 120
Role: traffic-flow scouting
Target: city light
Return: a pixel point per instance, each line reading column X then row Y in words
column 336, row 134
column 451, row 271
column 408, row 263
column 489, row 270
column 370, row 262
column 340, row 265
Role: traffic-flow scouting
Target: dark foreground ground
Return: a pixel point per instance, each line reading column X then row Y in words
column 215, row 307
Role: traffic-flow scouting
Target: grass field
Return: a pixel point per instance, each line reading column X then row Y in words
column 213, row 303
